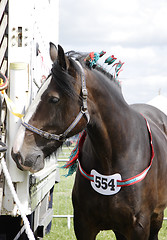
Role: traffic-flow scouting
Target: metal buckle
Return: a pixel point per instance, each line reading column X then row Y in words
column 84, row 93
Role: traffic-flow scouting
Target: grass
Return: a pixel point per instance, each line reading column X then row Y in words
column 62, row 205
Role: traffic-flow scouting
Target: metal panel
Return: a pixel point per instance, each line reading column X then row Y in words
column 40, row 188
column 18, row 90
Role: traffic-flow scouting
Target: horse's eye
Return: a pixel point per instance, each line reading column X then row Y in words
column 53, row 100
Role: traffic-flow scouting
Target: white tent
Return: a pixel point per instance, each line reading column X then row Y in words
column 159, row 102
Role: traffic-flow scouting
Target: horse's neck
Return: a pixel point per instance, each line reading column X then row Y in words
column 110, row 124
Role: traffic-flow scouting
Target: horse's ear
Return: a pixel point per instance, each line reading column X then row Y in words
column 53, row 52
column 63, row 60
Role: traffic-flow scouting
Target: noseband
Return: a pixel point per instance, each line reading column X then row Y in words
column 83, row 112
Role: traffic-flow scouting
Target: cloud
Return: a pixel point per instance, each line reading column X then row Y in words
column 147, row 88
column 132, row 30
column 113, row 22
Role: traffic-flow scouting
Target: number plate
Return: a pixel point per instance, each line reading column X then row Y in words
column 105, row 185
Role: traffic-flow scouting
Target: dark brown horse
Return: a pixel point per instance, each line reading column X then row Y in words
column 121, row 180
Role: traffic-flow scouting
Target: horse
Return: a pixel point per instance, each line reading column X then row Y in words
column 120, row 182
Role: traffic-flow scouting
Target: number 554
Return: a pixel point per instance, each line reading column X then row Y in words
column 103, row 183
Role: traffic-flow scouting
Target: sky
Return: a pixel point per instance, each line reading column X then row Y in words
column 135, row 31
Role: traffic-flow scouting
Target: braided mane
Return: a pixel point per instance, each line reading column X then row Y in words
column 81, row 56
column 65, row 81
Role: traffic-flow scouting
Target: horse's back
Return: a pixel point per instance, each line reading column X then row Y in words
column 152, row 114
column 158, row 124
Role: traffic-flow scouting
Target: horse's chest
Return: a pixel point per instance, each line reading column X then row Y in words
column 98, row 205
column 107, row 211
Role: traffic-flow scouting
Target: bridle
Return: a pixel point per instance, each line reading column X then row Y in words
column 83, row 112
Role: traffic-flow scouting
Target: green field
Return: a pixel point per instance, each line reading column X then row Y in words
column 63, row 206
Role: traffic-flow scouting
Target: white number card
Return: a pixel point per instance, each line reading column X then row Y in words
column 105, row 184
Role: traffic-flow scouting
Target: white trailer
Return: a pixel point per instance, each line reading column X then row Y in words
column 26, row 27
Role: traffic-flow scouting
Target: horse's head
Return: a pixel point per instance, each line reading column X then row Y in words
column 55, row 114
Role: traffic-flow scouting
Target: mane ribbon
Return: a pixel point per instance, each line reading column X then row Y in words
column 84, row 111
column 120, row 183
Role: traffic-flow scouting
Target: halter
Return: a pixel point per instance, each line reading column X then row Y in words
column 83, row 112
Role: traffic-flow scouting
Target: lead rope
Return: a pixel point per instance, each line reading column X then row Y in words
column 11, row 106
column 28, row 230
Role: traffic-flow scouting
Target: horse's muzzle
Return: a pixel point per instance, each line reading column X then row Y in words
column 33, row 162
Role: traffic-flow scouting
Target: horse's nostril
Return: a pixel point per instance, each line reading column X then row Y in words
column 17, row 158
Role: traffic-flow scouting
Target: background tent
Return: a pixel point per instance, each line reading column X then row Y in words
column 159, row 102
